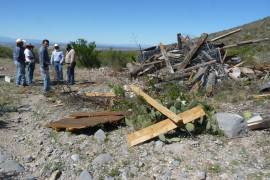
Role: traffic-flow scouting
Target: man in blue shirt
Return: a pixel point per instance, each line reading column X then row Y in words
column 44, row 64
column 19, row 60
column 57, row 59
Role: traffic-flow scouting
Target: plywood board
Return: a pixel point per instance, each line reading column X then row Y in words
column 81, row 123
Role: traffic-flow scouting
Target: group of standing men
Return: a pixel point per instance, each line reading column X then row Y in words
column 24, row 56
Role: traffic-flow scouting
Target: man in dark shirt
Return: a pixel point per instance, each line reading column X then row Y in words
column 19, row 60
column 44, row 64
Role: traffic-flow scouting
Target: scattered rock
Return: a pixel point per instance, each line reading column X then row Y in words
column 55, row 175
column 233, row 125
column 102, row 159
column 85, row 175
column 75, row 157
column 100, row 136
column 29, row 159
column 11, row 166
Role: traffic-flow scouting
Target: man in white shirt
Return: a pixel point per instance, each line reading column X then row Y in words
column 57, row 60
column 30, row 61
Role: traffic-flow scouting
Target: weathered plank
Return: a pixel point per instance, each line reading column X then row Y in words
column 93, row 114
column 73, row 124
column 225, row 35
column 192, row 52
column 167, row 61
column 163, row 126
column 98, row 94
column 246, row 42
column 155, row 104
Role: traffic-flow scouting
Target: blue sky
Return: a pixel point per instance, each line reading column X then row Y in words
column 124, row 21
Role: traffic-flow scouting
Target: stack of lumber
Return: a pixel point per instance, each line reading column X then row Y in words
column 82, row 120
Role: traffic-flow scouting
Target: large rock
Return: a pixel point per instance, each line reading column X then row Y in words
column 233, row 125
column 85, row 175
column 102, row 159
column 11, row 166
column 100, row 136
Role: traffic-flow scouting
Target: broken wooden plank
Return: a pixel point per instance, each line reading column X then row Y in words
column 225, row 35
column 192, row 52
column 155, row 104
column 185, row 72
column 245, row 43
column 259, row 96
column 98, row 94
column 163, row 126
column 167, row 61
column 92, row 114
column 179, row 41
column 81, row 123
column 237, row 65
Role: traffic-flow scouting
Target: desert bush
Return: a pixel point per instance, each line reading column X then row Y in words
column 142, row 114
column 5, row 52
column 86, row 53
column 115, row 58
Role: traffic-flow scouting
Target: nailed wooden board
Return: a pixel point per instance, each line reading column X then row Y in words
column 156, row 104
column 98, row 94
column 71, row 123
column 163, row 126
column 92, row 114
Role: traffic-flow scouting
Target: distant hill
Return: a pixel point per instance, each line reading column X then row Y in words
column 254, row 30
column 10, row 42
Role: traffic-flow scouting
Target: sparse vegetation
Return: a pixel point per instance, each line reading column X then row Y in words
column 5, row 52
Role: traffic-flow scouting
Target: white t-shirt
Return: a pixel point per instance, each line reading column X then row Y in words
column 29, row 57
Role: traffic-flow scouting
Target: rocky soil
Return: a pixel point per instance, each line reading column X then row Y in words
column 30, row 150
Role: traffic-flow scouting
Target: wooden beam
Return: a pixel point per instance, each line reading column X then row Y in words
column 225, row 35
column 192, row 52
column 167, row 61
column 156, row 104
column 245, row 43
column 163, row 126
column 98, row 94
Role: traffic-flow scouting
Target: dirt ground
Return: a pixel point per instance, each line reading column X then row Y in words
column 41, row 151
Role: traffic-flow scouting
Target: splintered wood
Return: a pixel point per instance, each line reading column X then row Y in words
column 83, row 120
column 163, row 126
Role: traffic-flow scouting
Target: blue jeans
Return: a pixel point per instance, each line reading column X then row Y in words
column 70, row 74
column 20, row 73
column 30, row 73
column 59, row 71
column 46, row 78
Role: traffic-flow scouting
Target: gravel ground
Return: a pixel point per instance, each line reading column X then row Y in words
column 30, row 150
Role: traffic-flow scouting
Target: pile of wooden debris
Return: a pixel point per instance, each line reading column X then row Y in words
column 200, row 63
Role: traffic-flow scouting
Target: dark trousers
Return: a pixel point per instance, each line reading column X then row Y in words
column 20, row 73
column 30, row 72
column 70, row 73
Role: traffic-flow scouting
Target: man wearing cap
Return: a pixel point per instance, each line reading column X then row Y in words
column 19, row 60
column 30, row 61
column 57, row 59
column 71, row 62
column 44, row 64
